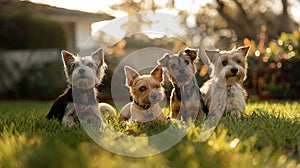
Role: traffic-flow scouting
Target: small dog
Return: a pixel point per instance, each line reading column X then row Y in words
column 146, row 91
column 186, row 98
column 79, row 99
column 224, row 93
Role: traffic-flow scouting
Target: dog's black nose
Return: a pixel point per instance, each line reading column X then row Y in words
column 234, row 70
column 153, row 97
column 181, row 70
column 81, row 71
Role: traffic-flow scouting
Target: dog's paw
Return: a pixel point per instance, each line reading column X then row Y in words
column 236, row 113
column 68, row 122
column 107, row 109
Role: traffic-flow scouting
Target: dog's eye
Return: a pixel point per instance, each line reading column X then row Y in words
column 90, row 65
column 224, row 63
column 187, row 62
column 173, row 66
column 238, row 61
column 75, row 65
column 143, row 88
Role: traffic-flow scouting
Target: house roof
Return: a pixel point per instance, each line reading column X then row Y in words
column 54, row 13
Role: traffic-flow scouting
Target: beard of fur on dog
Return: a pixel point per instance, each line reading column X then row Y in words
column 181, row 67
column 229, row 66
column 145, row 89
column 84, row 72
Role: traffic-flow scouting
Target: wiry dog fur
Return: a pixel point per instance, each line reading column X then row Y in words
column 186, row 99
column 224, row 92
column 146, row 91
column 83, row 75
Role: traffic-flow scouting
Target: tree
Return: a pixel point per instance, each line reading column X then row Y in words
column 246, row 17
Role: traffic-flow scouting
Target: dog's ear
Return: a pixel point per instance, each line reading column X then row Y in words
column 164, row 59
column 192, row 53
column 244, row 50
column 157, row 73
column 98, row 55
column 131, row 75
column 67, row 58
column 212, row 55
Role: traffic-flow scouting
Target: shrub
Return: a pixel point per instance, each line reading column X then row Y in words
column 21, row 30
column 42, row 81
column 274, row 66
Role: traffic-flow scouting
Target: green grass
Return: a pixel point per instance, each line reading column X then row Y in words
column 268, row 136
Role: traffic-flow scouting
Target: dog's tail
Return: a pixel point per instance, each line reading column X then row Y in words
column 58, row 109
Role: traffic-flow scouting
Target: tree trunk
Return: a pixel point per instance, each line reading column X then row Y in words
column 242, row 25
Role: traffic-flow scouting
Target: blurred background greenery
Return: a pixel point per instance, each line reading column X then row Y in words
column 271, row 27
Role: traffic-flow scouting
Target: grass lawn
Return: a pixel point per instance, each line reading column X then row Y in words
column 268, row 136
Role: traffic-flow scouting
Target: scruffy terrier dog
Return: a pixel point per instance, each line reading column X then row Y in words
column 79, row 99
column 146, row 91
column 224, row 93
column 186, row 98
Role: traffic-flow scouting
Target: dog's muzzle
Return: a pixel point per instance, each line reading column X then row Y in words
column 153, row 97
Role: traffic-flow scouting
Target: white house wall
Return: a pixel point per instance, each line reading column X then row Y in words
column 82, row 35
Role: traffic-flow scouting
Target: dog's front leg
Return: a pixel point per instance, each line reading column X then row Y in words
column 238, row 105
column 238, row 110
column 68, row 118
column 218, row 101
